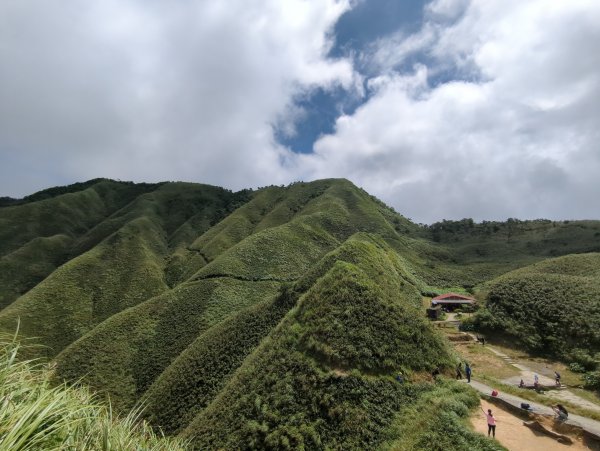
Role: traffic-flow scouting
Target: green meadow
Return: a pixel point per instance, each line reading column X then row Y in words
column 276, row 318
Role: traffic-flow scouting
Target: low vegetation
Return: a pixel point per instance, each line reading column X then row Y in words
column 279, row 317
column 318, row 387
column 37, row 415
column 550, row 308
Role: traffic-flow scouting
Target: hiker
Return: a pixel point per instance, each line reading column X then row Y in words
column 536, row 381
column 399, row 378
column 521, row 384
column 459, row 371
column 435, row 373
column 561, row 412
column 491, row 422
column 557, row 378
column 468, row 372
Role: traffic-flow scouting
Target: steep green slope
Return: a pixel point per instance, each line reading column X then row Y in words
column 273, row 254
column 126, row 353
column 24, row 268
column 315, row 384
column 42, row 231
column 127, row 258
column 203, row 368
column 71, row 214
column 552, row 307
column 197, row 375
column 127, row 268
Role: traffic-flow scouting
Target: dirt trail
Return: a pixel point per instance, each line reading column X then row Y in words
column 512, row 434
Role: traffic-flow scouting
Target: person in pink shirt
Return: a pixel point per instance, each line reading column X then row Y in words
column 491, row 421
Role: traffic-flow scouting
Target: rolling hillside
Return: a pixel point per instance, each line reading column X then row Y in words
column 274, row 318
column 551, row 307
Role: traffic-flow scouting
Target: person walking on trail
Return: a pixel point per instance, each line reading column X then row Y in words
column 491, row 422
column 557, row 378
column 468, row 372
column 459, row 371
column 536, row 380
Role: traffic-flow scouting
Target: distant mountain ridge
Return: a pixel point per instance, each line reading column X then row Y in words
column 275, row 317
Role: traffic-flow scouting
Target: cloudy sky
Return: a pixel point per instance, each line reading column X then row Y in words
column 443, row 109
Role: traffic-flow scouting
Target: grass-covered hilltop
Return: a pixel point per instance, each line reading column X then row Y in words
column 279, row 318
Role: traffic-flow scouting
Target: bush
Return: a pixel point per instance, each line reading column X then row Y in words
column 551, row 308
column 591, row 380
column 584, row 359
column 576, row 367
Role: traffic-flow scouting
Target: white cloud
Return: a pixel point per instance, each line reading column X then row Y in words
column 147, row 90
column 520, row 139
column 500, row 117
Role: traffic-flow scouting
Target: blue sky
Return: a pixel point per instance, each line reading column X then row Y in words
column 443, row 109
column 355, row 30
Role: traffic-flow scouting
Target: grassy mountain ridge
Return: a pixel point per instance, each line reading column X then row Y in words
column 300, row 389
column 274, row 318
column 264, row 259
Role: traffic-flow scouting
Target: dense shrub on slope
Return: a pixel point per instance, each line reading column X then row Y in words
column 320, row 214
column 123, row 271
column 182, row 210
column 552, row 307
column 276, row 252
column 435, row 422
column 280, row 253
column 360, row 325
column 72, row 213
column 126, row 353
column 197, row 375
column 193, row 380
column 25, row 267
column 287, row 395
column 125, row 263
column 268, row 207
column 37, row 237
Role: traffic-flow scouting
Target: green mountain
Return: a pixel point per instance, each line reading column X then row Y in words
column 274, row 318
column 551, row 307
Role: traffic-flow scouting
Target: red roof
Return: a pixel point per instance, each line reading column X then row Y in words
column 452, row 296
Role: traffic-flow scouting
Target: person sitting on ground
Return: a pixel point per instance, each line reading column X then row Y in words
column 561, row 412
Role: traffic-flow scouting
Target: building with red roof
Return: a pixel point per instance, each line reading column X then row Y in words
column 452, row 300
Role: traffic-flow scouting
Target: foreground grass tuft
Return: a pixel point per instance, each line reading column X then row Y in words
column 36, row 415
